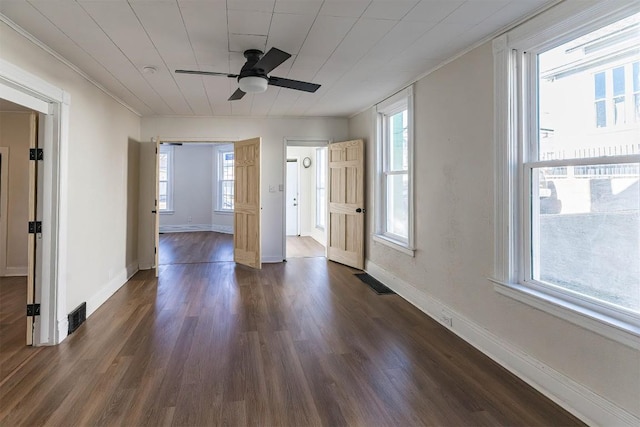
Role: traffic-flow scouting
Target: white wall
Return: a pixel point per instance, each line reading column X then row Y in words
column 100, row 224
column 454, row 237
column 192, row 187
column 271, row 130
column 15, row 132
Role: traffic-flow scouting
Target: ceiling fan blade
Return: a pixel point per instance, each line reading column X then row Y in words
column 206, row 73
column 293, row 84
column 271, row 60
column 238, row 94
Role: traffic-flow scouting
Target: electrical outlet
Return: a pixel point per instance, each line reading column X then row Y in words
column 447, row 319
column 189, row 219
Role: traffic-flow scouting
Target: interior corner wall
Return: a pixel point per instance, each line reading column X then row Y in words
column 100, row 227
column 454, row 202
column 15, row 132
column 273, row 131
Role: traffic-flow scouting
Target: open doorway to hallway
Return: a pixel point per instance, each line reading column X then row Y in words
column 305, row 199
column 196, row 197
column 17, row 253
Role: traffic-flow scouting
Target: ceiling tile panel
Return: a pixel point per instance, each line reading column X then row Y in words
column 192, row 87
column 164, row 83
column 326, row 34
column 432, row 11
column 249, row 22
column 361, row 39
column 121, row 25
column 163, row 23
column 218, row 91
column 472, row 12
column 352, row 8
column 242, row 107
column 263, row 102
column 289, row 31
column 386, row 9
column 253, row 5
column 206, row 25
column 299, row 7
column 438, row 43
column 240, row 42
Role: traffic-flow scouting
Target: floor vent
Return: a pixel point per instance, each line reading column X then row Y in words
column 77, row 317
column 374, row 284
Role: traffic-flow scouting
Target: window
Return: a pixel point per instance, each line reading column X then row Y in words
column 321, row 198
column 165, row 177
column 394, row 209
column 572, row 235
column 225, row 178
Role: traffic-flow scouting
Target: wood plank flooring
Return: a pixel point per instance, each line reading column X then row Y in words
column 303, row 246
column 195, row 247
column 294, row 344
column 13, row 325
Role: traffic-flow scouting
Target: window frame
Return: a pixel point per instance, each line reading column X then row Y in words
column 220, row 152
column 515, row 125
column 392, row 105
column 169, row 150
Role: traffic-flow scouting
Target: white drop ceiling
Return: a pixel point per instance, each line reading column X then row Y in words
column 360, row 51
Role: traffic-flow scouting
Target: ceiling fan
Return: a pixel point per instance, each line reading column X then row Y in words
column 254, row 78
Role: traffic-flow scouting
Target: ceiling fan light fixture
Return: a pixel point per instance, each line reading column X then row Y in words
column 253, row 84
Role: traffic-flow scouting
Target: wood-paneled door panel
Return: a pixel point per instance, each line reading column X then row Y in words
column 247, row 247
column 345, row 242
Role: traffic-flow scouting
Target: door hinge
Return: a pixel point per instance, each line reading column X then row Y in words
column 155, row 250
column 35, row 227
column 36, row 154
column 33, row 309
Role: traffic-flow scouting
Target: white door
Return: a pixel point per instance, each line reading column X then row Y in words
column 292, row 198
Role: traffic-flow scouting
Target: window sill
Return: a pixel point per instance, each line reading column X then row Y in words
column 167, row 212
column 394, row 244
column 614, row 329
column 221, row 212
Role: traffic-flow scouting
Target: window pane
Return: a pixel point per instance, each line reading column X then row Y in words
column 226, row 195
column 398, row 205
column 618, row 81
column 583, row 90
column 600, row 86
column 586, row 231
column 398, row 143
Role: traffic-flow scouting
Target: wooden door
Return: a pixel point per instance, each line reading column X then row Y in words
column 345, row 240
column 32, row 217
column 246, row 210
column 156, row 209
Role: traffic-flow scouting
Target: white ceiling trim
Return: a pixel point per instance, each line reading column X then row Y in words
column 63, row 60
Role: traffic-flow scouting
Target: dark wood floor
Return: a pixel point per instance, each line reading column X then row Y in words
column 13, row 325
column 295, row 344
column 195, row 247
column 303, row 246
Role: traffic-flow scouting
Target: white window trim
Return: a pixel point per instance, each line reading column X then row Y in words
column 220, row 150
column 403, row 97
column 564, row 21
column 169, row 150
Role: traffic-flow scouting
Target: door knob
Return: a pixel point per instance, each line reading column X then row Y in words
column 153, row 211
column 360, row 210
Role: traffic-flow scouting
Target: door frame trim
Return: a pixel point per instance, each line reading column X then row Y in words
column 26, row 89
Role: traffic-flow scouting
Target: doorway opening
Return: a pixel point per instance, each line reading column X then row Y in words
column 195, row 202
column 18, row 181
column 305, row 198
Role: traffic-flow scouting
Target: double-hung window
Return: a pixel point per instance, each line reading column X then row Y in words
column 568, row 181
column 225, row 179
column 165, row 178
column 394, row 186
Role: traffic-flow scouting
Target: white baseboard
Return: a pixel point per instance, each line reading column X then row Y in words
column 15, row 271
column 572, row 396
column 105, row 293
column 145, row 266
column 132, row 269
column 187, row 228
column 272, row 259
